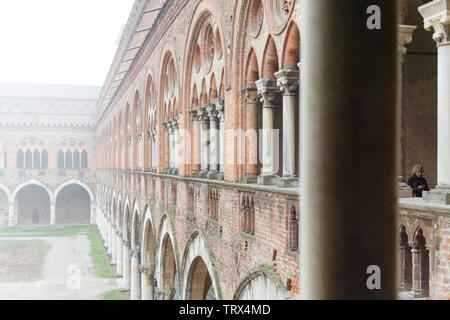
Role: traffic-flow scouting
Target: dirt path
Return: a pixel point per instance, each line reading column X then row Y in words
column 67, row 257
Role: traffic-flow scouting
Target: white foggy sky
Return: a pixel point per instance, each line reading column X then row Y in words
column 59, row 41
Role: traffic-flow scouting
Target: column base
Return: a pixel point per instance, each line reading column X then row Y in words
column 212, row 175
column 439, row 195
column 267, row 179
column 250, row 179
column 195, row 173
column 288, row 182
column 203, row 174
column 221, row 176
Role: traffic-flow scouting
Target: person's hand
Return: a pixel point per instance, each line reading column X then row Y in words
column 421, row 187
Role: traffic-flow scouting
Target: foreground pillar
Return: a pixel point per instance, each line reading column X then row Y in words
column 348, row 139
column 436, row 16
column 135, row 291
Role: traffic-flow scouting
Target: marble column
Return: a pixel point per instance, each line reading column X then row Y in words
column 122, row 158
column 113, row 245
column 288, row 80
column 126, row 265
column 119, row 248
column 251, row 135
column 140, row 153
column 214, row 138
column 196, row 142
column 130, row 155
column 52, row 213
column 154, row 155
column 436, row 16
column 147, row 277
column 135, row 289
column 12, row 214
column 348, row 128
column 176, row 131
column 269, row 92
column 220, row 107
column 205, row 141
column 404, row 38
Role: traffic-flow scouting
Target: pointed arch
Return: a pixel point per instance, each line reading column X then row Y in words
column 270, row 61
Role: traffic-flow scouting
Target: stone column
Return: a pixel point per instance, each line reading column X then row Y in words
column 130, row 155
column 404, row 38
column 268, row 91
column 171, row 153
column 154, row 155
column 436, row 16
column 52, row 213
column 122, row 149
column 205, row 141
column 288, row 80
column 420, row 265
column 126, row 265
column 119, row 248
column 109, row 236
column 113, row 245
column 175, row 125
column 404, row 267
column 220, row 107
column 214, row 141
column 135, row 291
column 251, row 135
column 196, row 144
column 93, row 217
column 147, row 277
column 12, row 214
column 140, row 153
column 348, row 128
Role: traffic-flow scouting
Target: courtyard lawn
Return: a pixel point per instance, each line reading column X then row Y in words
column 68, row 231
column 22, row 260
column 99, row 257
column 112, row 295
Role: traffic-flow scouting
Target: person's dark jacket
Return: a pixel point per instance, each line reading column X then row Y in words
column 414, row 182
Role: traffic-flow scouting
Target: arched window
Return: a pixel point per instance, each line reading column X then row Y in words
column 28, row 160
column 76, row 160
column 84, row 160
column 20, row 160
column 60, row 159
column 36, row 159
column 44, row 162
column 68, row 159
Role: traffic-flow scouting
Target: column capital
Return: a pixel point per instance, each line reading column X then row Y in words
column 404, row 37
column 202, row 114
column 436, row 15
column 268, row 91
column 288, row 80
column 139, row 137
column 212, row 111
column 193, row 114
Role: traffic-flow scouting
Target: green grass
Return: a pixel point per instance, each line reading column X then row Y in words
column 45, row 231
column 112, row 295
column 98, row 253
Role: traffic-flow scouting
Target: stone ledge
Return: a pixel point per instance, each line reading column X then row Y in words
column 256, row 187
column 418, row 204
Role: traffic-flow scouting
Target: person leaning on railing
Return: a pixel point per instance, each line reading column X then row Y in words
column 417, row 182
